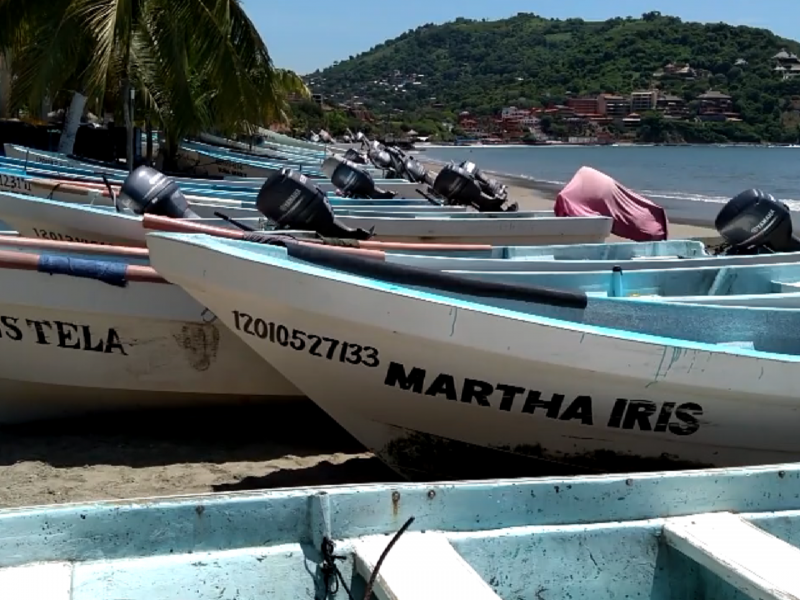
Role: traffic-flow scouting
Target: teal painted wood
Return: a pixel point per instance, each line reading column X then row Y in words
column 595, row 537
column 732, row 280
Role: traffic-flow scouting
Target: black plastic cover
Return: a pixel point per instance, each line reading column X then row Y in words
column 754, row 218
column 148, row 191
column 291, row 200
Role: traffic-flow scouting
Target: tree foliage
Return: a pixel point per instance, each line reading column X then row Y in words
column 194, row 64
column 481, row 66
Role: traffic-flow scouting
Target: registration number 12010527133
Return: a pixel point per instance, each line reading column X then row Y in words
column 319, row 346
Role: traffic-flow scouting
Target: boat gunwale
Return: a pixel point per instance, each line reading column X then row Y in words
column 240, row 252
column 25, row 261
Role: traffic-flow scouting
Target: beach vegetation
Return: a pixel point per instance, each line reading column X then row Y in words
column 183, row 66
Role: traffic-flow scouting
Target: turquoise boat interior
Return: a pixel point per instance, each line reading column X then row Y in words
column 753, row 331
column 734, row 280
column 657, row 536
column 606, row 252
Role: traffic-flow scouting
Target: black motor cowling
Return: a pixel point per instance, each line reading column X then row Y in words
column 754, row 222
column 355, row 156
column 352, row 180
column 292, row 201
column 459, row 186
column 415, row 172
column 489, row 186
column 147, row 191
column 381, row 158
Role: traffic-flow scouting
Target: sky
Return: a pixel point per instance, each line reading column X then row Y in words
column 305, row 35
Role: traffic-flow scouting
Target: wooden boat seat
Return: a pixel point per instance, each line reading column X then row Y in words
column 38, row 581
column 755, row 562
column 420, row 566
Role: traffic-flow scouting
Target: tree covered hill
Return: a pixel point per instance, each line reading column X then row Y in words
column 482, row 66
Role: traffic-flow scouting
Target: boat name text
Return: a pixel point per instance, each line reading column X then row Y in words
column 62, row 237
column 642, row 415
column 316, row 345
column 230, row 168
column 14, row 183
column 61, row 334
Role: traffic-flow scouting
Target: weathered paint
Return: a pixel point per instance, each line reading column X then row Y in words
column 73, row 344
column 615, row 385
column 596, row 537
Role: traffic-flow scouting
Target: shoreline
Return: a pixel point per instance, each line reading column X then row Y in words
column 532, row 194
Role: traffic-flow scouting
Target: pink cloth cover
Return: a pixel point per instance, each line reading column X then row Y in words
column 591, row 192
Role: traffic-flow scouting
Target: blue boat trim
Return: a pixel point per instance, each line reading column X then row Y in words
column 110, row 272
column 275, row 255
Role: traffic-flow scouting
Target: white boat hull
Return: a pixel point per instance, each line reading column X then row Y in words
column 419, row 375
column 70, row 344
column 61, row 221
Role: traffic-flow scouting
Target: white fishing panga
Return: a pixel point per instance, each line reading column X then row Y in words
column 588, row 383
column 92, row 328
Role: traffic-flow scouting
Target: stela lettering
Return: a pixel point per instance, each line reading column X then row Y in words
column 61, row 334
column 642, row 415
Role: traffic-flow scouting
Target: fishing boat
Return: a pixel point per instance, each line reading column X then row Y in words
column 722, row 534
column 90, row 328
column 424, row 368
column 93, row 224
column 42, row 163
column 220, row 164
column 280, row 144
column 206, row 201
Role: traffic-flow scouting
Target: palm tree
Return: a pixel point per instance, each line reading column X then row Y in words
column 192, row 63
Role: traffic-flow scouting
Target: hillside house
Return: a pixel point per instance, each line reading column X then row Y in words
column 787, row 65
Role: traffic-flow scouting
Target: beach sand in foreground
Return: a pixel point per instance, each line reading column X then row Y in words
column 195, row 451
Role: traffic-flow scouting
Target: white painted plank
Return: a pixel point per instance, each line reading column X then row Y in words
column 752, row 560
column 420, row 566
column 40, row 581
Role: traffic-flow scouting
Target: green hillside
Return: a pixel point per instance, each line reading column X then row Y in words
column 435, row 71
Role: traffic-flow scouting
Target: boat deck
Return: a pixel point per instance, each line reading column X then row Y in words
column 595, row 537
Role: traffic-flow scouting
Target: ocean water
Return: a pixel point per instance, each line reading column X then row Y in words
column 676, row 172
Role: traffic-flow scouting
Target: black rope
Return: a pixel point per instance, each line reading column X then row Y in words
column 270, row 239
column 332, row 576
column 53, row 191
column 329, row 241
column 385, row 552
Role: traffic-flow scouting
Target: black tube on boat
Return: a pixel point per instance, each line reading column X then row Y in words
column 436, row 280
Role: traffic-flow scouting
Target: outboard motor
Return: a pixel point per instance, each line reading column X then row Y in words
column 352, row 180
column 489, row 186
column 415, row 172
column 292, row 201
column 380, row 158
column 755, row 223
column 459, row 186
column 355, row 156
column 147, row 191
column 325, row 136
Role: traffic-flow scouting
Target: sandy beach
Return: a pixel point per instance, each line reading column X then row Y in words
column 156, row 453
